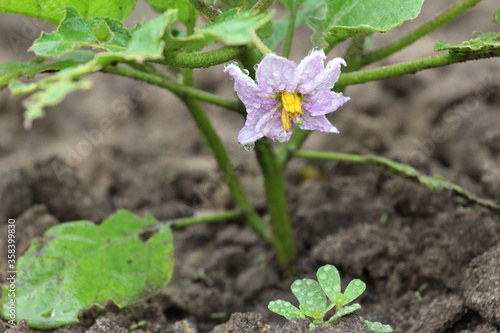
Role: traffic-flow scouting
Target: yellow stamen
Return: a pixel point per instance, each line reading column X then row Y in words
column 291, row 108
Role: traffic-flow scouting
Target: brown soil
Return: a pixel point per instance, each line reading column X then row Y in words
column 431, row 260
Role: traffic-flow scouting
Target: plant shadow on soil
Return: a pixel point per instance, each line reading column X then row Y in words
column 431, row 260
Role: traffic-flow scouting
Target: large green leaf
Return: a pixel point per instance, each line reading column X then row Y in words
column 488, row 43
column 50, row 10
column 346, row 18
column 78, row 264
column 76, row 31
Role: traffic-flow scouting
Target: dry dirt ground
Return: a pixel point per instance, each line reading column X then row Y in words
column 431, row 260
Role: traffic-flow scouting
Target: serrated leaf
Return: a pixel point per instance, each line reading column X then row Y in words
column 50, row 10
column 348, row 18
column 285, row 309
column 329, row 280
column 185, row 9
column 312, row 299
column 14, row 70
column 76, row 31
column 378, row 327
column 78, row 264
column 480, row 43
column 231, row 28
column 147, row 41
column 344, row 312
column 353, row 290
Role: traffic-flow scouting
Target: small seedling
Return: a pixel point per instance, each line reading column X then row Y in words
column 313, row 299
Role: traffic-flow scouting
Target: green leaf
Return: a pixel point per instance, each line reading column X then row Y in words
column 76, row 31
column 285, row 309
column 347, row 18
column 50, row 10
column 231, row 28
column 497, row 16
column 53, row 94
column 79, row 264
column 353, row 290
column 184, row 8
column 480, row 43
column 225, row 5
column 378, row 327
column 147, row 41
column 329, row 280
column 312, row 299
column 13, row 70
column 344, row 312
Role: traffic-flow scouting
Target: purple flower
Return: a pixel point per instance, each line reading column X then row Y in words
column 287, row 95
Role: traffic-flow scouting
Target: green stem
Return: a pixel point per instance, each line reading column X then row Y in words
column 432, row 182
column 206, row 9
column 444, row 17
column 225, row 166
column 282, row 235
column 408, row 67
column 290, row 30
column 231, row 214
column 259, row 44
column 263, row 5
column 202, row 59
column 296, row 141
column 177, row 88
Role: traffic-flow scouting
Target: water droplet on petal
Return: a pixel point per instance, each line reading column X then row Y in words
column 315, row 49
column 249, row 146
column 226, row 65
column 246, row 72
column 276, row 73
column 255, row 66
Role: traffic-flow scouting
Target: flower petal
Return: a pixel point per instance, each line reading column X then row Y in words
column 323, row 102
column 257, row 125
column 308, row 74
column 274, row 129
column 331, row 73
column 319, row 123
column 275, row 73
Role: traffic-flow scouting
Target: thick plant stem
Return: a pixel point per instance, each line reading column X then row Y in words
column 444, row 17
column 225, row 166
column 176, row 88
column 409, row 67
column 228, row 215
column 283, row 239
column 406, row 171
column 202, row 59
column 290, row 31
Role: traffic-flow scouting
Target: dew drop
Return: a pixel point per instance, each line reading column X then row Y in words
column 358, row 283
column 298, row 283
column 276, row 73
column 310, row 294
column 315, row 49
column 249, row 146
column 327, row 268
column 226, row 65
column 321, row 276
column 287, row 305
column 309, row 282
column 246, row 72
column 255, row 66
column 328, row 289
column 309, row 302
